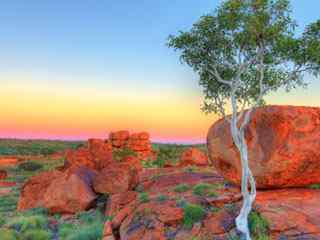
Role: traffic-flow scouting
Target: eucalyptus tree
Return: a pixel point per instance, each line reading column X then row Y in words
column 242, row 51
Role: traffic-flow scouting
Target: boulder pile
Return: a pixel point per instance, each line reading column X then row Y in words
column 138, row 142
column 182, row 202
column 88, row 170
column 97, row 154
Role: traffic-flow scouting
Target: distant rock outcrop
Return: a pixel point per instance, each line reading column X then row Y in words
column 193, row 156
column 137, row 142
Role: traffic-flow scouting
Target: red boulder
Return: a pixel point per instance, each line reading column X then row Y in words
column 193, row 156
column 3, row 174
column 97, row 155
column 119, row 139
column 283, row 143
column 117, row 178
column 291, row 213
column 70, row 193
column 33, row 190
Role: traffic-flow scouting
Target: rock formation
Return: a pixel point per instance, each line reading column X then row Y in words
column 193, row 156
column 283, row 145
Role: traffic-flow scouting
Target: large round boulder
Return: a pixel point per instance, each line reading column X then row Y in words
column 116, row 178
column 33, row 190
column 283, row 146
column 70, row 193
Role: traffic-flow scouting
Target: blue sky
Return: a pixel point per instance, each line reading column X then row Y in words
column 120, row 40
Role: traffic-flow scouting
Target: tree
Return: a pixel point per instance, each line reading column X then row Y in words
column 242, row 51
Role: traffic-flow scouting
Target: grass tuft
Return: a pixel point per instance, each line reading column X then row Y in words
column 144, row 197
column 181, row 188
column 203, row 189
column 192, row 214
column 258, row 226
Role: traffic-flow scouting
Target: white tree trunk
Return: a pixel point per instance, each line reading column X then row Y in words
column 247, row 177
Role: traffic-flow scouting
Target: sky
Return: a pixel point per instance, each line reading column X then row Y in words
column 77, row 69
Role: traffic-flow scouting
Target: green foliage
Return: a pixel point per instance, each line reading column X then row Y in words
column 159, row 162
column 192, row 214
column 90, row 216
column 191, row 169
column 240, row 39
column 36, row 234
column 181, row 202
column 8, row 203
column 258, row 226
column 2, row 220
column 30, row 166
column 34, row 147
column 66, row 229
column 315, row 186
column 35, row 211
column 8, row 234
column 166, row 154
column 181, row 188
column 144, row 197
column 204, row 189
column 89, row 232
column 119, row 154
column 160, row 198
column 23, row 223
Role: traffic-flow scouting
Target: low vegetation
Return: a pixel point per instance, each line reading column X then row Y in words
column 181, row 188
column 37, row 224
column 204, row 189
column 259, row 227
column 192, row 214
column 118, row 155
column 34, row 147
column 144, row 197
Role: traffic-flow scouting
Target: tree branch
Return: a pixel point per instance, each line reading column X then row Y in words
column 215, row 72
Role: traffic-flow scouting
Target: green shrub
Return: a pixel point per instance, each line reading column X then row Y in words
column 90, row 216
column 23, row 223
column 202, row 189
column 212, row 194
column 143, row 197
column 191, row 169
column 181, row 202
column 181, row 188
column 90, row 232
column 159, row 162
column 30, row 166
column 35, row 211
column 47, row 151
column 315, row 186
column 162, row 198
column 119, row 154
column 66, row 229
column 258, row 226
column 192, row 214
column 8, row 234
column 2, row 220
column 36, row 234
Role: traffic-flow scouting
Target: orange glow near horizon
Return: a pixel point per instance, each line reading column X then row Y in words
column 32, row 110
column 41, row 112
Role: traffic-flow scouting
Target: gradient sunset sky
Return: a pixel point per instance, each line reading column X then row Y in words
column 80, row 68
